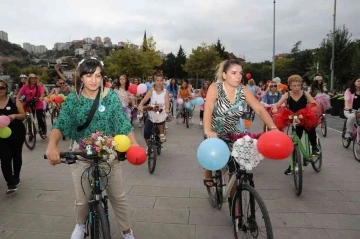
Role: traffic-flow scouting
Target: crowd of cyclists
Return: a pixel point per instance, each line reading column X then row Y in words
column 221, row 113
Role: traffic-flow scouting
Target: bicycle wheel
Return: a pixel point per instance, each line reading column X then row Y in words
column 100, row 225
column 186, row 118
column 151, row 158
column 246, row 218
column 158, row 149
column 297, row 170
column 44, row 132
column 356, row 149
column 316, row 164
column 54, row 115
column 30, row 136
column 323, row 127
column 216, row 193
column 345, row 141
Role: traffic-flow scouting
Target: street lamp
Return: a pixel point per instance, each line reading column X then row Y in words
column 273, row 63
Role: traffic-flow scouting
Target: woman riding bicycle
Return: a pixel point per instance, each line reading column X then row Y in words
column 202, row 94
column 185, row 94
column 158, row 96
column 108, row 118
column 224, row 108
column 296, row 100
column 352, row 102
column 127, row 99
column 271, row 96
column 173, row 90
column 33, row 91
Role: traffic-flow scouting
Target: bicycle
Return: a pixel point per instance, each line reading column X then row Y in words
column 32, row 125
column 155, row 145
column 297, row 164
column 98, row 225
column 237, row 204
column 355, row 136
column 184, row 113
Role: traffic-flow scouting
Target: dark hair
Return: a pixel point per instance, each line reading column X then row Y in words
column 6, row 85
column 186, row 81
column 127, row 82
column 317, row 86
column 172, row 87
column 89, row 66
column 352, row 87
column 224, row 67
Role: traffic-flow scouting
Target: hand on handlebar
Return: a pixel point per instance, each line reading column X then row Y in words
column 53, row 155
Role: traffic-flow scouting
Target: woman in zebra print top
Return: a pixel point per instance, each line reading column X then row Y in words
column 224, row 107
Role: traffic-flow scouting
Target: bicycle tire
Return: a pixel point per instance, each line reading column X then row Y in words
column 158, row 149
column 212, row 192
column 323, row 127
column 357, row 157
column 346, row 142
column 186, row 118
column 45, row 128
column 151, row 158
column 219, row 189
column 248, row 225
column 297, row 170
column 317, row 168
column 102, row 223
column 30, row 145
column 54, row 115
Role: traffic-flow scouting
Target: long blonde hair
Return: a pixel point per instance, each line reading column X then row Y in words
column 224, row 67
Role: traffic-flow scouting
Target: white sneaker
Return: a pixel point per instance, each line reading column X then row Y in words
column 201, row 123
column 79, row 232
column 129, row 235
column 140, row 124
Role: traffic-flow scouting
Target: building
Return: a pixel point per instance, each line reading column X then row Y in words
column 107, row 42
column 40, row 49
column 62, row 46
column 27, row 46
column 4, row 36
column 79, row 51
column 98, row 41
column 134, row 46
column 88, row 40
column 121, row 44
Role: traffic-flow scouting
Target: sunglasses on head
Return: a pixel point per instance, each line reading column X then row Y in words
column 2, row 87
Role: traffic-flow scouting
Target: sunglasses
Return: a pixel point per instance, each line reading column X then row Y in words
column 2, row 88
column 31, row 78
column 62, row 83
column 273, row 86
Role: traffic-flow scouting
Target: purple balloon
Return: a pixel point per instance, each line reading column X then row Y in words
column 4, row 121
column 142, row 88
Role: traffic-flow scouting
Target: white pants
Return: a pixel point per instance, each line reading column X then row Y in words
column 350, row 120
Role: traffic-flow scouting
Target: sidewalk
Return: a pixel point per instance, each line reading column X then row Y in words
column 172, row 203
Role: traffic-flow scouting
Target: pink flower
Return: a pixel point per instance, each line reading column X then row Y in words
column 94, row 136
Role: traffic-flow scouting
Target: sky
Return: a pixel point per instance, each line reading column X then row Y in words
column 245, row 27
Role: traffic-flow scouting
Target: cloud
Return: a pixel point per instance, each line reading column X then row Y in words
column 244, row 26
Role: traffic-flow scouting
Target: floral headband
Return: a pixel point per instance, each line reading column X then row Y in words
column 91, row 58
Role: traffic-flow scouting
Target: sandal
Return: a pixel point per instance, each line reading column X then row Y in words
column 208, row 183
column 162, row 138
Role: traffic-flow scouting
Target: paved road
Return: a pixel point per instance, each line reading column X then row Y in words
column 173, row 204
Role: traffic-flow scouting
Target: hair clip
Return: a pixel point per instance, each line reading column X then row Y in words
column 93, row 58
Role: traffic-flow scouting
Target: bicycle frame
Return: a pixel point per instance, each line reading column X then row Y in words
column 305, row 151
column 33, row 118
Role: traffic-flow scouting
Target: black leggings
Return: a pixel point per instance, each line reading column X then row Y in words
column 11, row 158
column 39, row 116
column 201, row 114
column 311, row 133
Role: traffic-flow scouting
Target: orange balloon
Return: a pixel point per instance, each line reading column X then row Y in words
column 247, row 123
column 52, row 97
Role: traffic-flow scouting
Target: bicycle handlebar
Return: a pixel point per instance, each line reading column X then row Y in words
column 71, row 157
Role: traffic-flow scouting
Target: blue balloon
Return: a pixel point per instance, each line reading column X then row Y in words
column 200, row 101
column 188, row 105
column 194, row 102
column 213, row 154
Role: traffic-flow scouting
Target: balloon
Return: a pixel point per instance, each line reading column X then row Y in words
column 59, row 99
column 4, row 121
column 52, row 97
column 142, row 88
column 122, row 143
column 194, row 102
column 136, row 155
column 247, row 123
column 107, row 84
column 62, row 96
column 188, row 105
column 5, row 132
column 248, row 76
column 200, row 101
column 180, row 101
column 132, row 89
column 275, row 145
column 213, row 154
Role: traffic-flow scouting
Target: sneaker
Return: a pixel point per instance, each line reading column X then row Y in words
column 79, row 232
column 315, row 151
column 347, row 135
column 17, row 182
column 201, row 123
column 11, row 189
column 140, row 124
column 288, row 171
column 129, row 235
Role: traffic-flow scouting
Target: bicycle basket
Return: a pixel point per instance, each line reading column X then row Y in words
column 245, row 153
column 104, row 171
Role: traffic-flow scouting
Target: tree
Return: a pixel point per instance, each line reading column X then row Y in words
column 180, row 62
column 296, row 47
column 344, row 56
column 169, row 65
column 221, row 50
column 13, row 70
column 145, row 44
column 202, row 61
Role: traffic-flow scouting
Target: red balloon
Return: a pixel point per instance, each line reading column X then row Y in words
column 59, row 99
column 136, row 155
column 275, row 145
column 248, row 76
column 132, row 89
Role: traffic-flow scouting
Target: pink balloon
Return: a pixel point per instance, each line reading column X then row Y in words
column 4, row 121
column 142, row 88
column 180, row 101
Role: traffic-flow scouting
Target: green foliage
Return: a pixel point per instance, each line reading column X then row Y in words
column 179, row 63
column 224, row 55
column 169, row 65
column 9, row 49
column 202, row 61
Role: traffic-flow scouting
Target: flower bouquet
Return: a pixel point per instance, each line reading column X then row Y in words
column 245, row 152
column 98, row 144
